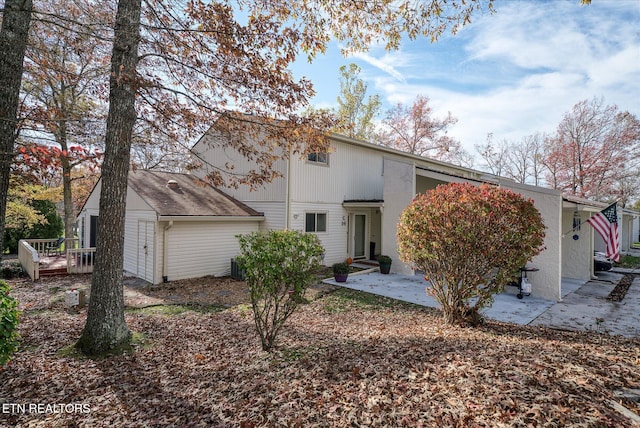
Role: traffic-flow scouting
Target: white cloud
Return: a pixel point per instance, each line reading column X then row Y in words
column 387, row 63
column 527, row 65
column 515, row 72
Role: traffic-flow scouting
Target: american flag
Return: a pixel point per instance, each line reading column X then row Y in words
column 606, row 224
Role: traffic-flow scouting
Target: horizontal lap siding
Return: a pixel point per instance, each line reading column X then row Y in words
column 197, row 249
column 274, row 213
column 334, row 240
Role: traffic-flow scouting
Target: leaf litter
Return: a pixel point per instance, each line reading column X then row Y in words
column 343, row 359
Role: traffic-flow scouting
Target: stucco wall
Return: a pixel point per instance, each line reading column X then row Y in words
column 546, row 283
column 577, row 254
column 628, row 233
column 399, row 190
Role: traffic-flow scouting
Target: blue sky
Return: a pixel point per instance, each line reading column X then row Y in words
column 512, row 73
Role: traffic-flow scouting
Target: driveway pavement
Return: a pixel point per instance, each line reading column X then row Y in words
column 583, row 306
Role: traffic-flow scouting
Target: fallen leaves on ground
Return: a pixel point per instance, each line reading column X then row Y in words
column 620, row 290
column 346, row 359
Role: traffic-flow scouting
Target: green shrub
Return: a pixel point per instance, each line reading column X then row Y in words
column 10, row 269
column 278, row 265
column 384, row 260
column 51, row 226
column 8, row 324
column 469, row 241
column 340, row 268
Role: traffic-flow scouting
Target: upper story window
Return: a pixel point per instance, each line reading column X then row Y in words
column 319, row 158
column 315, row 222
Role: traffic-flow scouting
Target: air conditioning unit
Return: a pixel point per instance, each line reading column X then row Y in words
column 236, row 272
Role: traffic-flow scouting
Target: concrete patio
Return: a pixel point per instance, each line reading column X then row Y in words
column 583, row 305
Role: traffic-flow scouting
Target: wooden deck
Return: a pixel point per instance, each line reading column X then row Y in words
column 53, row 265
column 41, row 257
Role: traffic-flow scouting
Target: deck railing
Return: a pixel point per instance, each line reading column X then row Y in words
column 42, row 246
column 31, row 251
column 29, row 258
column 80, row 260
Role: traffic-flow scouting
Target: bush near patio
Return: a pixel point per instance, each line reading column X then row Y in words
column 8, row 324
column 470, row 242
column 279, row 265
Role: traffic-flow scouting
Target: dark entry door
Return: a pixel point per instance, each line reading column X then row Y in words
column 93, row 230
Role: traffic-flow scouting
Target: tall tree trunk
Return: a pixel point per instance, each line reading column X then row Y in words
column 105, row 329
column 13, row 42
column 61, row 139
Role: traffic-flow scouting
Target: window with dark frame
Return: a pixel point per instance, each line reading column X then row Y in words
column 315, row 222
column 319, row 157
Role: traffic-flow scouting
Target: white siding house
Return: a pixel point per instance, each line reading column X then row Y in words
column 352, row 198
column 176, row 226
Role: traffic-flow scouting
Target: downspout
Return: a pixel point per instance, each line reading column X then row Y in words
column 287, row 203
column 165, row 251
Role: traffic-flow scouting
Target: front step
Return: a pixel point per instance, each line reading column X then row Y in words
column 53, row 272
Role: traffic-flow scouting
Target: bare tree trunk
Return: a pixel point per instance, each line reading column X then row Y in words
column 106, row 330
column 61, row 139
column 69, row 217
column 13, row 42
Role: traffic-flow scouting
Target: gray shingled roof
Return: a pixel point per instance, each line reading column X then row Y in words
column 191, row 197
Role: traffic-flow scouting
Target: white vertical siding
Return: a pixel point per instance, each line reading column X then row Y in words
column 137, row 210
column 197, row 249
column 626, row 231
column 131, row 244
column 353, row 172
column 214, row 154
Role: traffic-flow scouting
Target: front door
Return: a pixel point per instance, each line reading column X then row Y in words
column 359, row 236
column 146, row 233
column 93, row 230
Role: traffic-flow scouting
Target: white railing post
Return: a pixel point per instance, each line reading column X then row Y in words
column 29, row 259
column 80, row 260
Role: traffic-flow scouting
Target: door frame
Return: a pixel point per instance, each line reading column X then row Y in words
column 146, row 244
column 351, row 235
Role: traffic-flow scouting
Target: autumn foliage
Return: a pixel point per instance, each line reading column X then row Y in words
column 278, row 266
column 469, row 241
column 595, row 153
column 8, row 324
column 414, row 129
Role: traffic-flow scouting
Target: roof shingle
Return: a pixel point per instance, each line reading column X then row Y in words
column 191, row 197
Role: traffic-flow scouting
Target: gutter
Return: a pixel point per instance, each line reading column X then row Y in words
column 172, row 218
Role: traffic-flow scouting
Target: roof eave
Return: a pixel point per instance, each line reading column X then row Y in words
column 215, row 218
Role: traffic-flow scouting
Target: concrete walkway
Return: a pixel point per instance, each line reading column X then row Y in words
column 583, row 306
column 588, row 308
